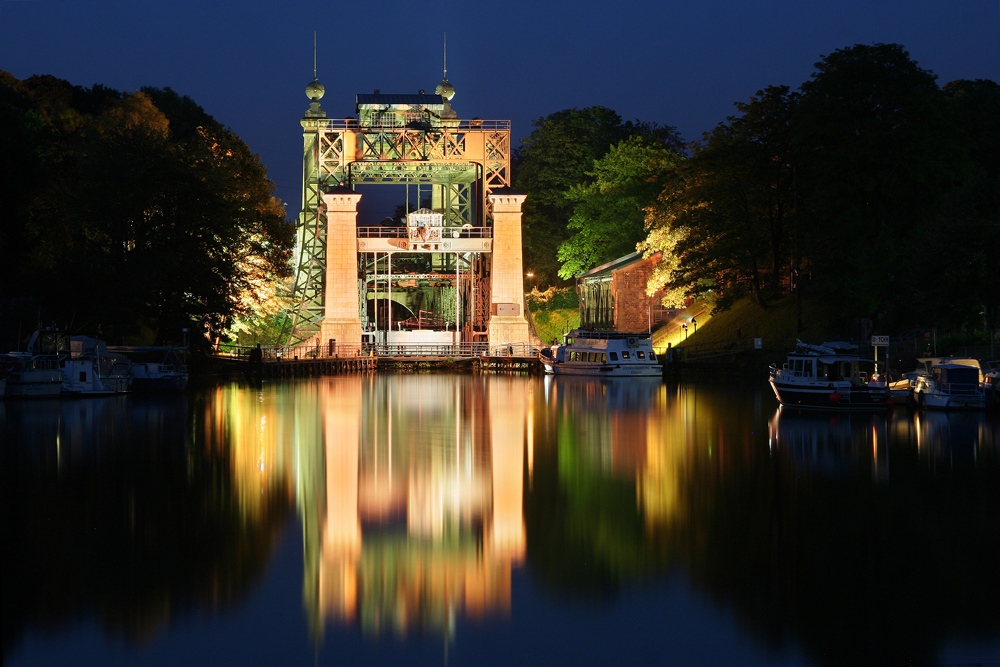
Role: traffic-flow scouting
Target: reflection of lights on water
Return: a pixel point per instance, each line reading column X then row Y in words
column 450, row 459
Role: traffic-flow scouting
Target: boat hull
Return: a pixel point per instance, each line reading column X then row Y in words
column 34, row 383
column 604, row 370
column 933, row 401
column 163, row 383
column 602, row 354
column 830, row 396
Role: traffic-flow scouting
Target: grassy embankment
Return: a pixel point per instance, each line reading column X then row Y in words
column 556, row 311
column 553, row 312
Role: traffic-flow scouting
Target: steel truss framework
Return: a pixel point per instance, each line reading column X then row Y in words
column 467, row 159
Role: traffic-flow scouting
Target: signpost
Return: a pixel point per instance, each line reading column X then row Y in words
column 877, row 342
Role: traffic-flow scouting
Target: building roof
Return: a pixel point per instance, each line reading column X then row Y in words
column 605, row 270
column 378, row 100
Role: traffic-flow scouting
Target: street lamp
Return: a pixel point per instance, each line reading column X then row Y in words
column 685, row 327
column 695, row 323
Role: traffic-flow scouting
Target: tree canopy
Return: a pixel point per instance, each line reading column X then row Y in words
column 729, row 206
column 559, row 154
column 609, row 211
column 134, row 214
column 876, row 186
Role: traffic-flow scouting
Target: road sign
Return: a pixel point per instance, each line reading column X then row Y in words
column 880, row 341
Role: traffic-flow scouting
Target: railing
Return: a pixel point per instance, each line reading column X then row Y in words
column 474, row 124
column 387, row 232
column 960, row 389
column 339, row 350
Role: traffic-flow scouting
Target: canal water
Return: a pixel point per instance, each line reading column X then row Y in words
column 494, row 520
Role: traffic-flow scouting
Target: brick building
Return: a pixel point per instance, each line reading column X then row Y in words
column 613, row 296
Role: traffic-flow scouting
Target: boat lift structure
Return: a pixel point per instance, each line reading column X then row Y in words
column 457, row 255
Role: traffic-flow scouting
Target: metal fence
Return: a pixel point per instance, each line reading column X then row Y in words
column 271, row 353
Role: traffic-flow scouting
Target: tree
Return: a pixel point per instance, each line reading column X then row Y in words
column 722, row 219
column 876, row 153
column 967, row 291
column 556, row 156
column 160, row 218
column 609, row 212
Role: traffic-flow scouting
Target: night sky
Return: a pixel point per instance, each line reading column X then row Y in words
column 663, row 61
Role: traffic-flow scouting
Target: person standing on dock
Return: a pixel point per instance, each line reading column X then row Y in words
column 256, row 359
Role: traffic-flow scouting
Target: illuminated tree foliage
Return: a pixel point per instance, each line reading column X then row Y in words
column 138, row 213
column 555, row 157
column 609, row 211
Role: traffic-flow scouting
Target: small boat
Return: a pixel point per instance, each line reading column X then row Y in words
column 153, row 376
column 34, row 372
column 32, row 376
column 91, row 370
column 156, row 368
column 991, row 383
column 950, row 385
column 829, row 377
column 901, row 386
column 602, row 353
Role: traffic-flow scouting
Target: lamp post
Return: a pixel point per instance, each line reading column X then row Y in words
column 685, row 327
column 695, row 323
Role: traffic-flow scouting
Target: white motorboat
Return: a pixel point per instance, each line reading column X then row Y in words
column 151, row 376
column 34, row 372
column 92, row 371
column 991, row 383
column 950, row 384
column 829, row 377
column 156, row 368
column 32, row 376
column 602, row 353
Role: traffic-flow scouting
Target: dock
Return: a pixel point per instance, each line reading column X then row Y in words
column 266, row 363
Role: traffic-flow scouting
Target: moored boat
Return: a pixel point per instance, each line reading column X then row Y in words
column 829, row 377
column 991, row 383
column 34, row 372
column 151, row 376
column 602, row 353
column 32, row 376
column 156, row 368
column 91, row 370
column 950, row 385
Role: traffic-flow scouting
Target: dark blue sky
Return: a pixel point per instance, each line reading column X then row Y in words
column 674, row 63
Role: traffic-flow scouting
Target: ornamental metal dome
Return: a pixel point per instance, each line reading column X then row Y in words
column 445, row 90
column 315, row 90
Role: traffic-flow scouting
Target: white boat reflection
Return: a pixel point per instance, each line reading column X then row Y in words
column 831, row 442
column 953, row 436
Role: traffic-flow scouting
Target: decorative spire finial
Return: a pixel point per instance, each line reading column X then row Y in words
column 445, row 89
column 315, row 90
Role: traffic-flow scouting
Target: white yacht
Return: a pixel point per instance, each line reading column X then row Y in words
column 601, row 353
column 950, row 384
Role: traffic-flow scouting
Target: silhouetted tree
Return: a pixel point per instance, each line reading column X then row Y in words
column 137, row 213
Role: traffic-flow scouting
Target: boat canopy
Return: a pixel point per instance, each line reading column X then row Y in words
column 957, row 373
column 829, row 347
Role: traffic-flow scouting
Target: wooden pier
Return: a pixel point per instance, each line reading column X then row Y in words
column 288, row 368
column 272, row 366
